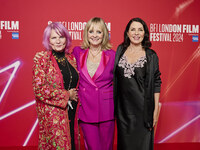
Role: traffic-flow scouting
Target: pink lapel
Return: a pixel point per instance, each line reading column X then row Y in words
column 102, row 65
column 83, row 63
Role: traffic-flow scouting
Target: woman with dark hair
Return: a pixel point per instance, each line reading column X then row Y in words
column 136, row 88
column 55, row 80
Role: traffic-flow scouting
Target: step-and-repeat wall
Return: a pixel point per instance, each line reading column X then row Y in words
column 174, row 32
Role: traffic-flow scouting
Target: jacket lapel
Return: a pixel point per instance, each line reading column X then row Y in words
column 57, row 68
column 118, row 55
column 72, row 61
column 148, row 55
column 83, row 64
column 102, row 66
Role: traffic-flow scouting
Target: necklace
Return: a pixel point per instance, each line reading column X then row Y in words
column 99, row 50
column 70, row 74
column 63, row 61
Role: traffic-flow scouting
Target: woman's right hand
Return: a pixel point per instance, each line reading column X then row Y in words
column 38, row 56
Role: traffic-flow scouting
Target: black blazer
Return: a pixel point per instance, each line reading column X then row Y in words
column 152, row 84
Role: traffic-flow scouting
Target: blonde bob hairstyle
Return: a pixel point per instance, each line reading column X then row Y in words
column 105, row 45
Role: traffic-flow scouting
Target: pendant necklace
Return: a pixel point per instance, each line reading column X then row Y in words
column 64, row 62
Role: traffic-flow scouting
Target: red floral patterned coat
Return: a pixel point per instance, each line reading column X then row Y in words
column 51, row 104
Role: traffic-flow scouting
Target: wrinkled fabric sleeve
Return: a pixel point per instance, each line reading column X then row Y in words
column 157, row 74
column 44, row 89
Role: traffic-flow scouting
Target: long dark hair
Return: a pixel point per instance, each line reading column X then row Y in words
column 145, row 43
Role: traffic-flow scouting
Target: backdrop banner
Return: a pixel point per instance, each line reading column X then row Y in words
column 174, row 33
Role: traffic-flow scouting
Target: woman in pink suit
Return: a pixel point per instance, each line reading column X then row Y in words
column 95, row 62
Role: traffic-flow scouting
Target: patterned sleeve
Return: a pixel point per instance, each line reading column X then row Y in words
column 44, row 88
column 72, row 60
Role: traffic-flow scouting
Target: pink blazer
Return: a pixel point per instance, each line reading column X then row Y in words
column 96, row 93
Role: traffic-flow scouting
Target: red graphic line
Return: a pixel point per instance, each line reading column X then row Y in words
column 179, row 129
column 194, row 56
column 181, row 8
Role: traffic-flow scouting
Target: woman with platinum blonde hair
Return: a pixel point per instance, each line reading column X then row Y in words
column 95, row 62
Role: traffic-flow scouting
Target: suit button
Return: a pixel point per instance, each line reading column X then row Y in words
column 96, row 89
column 80, row 104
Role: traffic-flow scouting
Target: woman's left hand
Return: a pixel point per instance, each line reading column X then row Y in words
column 38, row 55
column 156, row 108
column 73, row 94
column 155, row 117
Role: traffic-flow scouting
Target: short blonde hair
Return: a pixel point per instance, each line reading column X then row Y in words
column 105, row 45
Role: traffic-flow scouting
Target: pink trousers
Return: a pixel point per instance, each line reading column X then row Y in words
column 98, row 136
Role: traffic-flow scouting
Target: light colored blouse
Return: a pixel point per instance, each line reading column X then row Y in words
column 92, row 67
